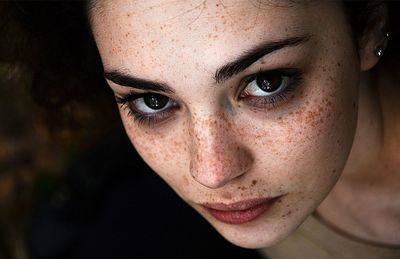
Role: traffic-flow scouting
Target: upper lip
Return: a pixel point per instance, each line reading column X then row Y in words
column 240, row 205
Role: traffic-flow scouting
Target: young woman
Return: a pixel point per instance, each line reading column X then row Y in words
column 272, row 119
column 252, row 110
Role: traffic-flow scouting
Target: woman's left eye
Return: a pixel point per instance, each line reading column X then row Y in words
column 271, row 87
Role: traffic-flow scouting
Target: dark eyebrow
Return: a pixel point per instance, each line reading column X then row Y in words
column 254, row 54
column 120, row 77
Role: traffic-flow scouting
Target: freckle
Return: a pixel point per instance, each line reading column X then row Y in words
column 338, row 64
column 227, row 195
column 185, row 180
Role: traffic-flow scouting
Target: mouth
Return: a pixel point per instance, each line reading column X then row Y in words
column 239, row 212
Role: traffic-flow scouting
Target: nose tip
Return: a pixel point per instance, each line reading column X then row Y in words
column 215, row 169
column 217, row 156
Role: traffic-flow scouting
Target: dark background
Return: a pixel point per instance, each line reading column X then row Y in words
column 71, row 185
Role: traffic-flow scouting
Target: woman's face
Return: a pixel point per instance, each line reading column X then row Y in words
column 247, row 109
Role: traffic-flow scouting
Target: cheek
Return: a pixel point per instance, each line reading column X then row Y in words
column 164, row 151
column 308, row 147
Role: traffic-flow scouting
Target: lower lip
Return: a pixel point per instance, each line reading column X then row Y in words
column 241, row 216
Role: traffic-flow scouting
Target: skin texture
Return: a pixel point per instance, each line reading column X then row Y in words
column 216, row 147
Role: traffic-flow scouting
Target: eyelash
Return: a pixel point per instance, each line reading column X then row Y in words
column 140, row 117
column 146, row 119
column 295, row 76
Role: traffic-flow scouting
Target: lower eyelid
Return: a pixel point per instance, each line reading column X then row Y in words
column 266, row 102
column 150, row 119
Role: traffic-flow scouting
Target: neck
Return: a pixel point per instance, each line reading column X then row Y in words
column 364, row 202
column 377, row 139
column 368, row 141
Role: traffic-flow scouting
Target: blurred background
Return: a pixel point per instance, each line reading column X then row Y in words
column 71, row 184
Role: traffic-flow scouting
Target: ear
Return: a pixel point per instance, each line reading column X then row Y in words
column 375, row 35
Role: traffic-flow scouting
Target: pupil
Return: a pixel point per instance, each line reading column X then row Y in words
column 155, row 101
column 269, row 84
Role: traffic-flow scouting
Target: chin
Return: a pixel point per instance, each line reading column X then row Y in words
column 253, row 238
column 252, row 243
column 260, row 233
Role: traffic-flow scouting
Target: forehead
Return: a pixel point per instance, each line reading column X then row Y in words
column 95, row 6
column 234, row 15
column 138, row 31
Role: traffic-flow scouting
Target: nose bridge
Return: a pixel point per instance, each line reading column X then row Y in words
column 217, row 156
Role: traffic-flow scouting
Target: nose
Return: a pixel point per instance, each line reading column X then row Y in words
column 217, row 156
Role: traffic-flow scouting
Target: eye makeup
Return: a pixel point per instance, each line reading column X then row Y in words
column 264, row 89
column 270, row 88
column 148, row 108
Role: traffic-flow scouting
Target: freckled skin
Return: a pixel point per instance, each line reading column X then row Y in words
column 217, row 148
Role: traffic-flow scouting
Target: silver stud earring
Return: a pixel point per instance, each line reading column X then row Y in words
column 380, row 50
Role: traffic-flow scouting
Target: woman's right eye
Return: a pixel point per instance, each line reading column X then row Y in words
column 148, row 108
column 152, row 103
